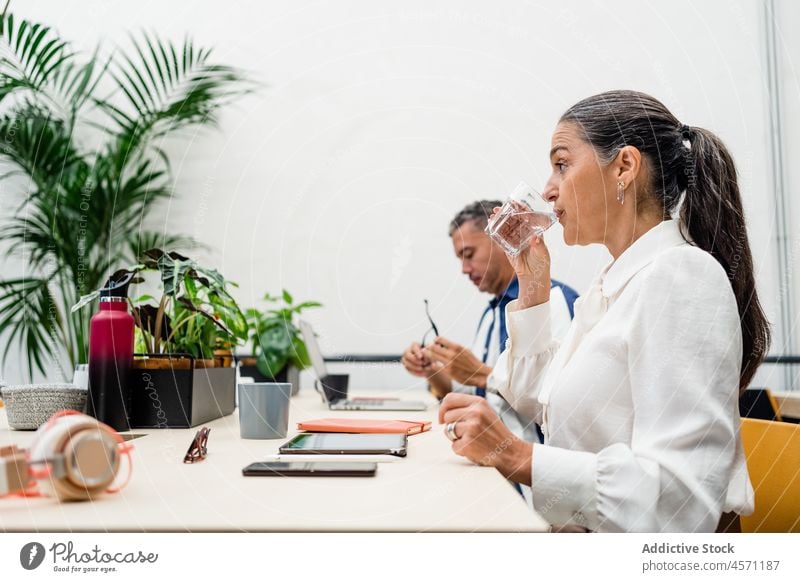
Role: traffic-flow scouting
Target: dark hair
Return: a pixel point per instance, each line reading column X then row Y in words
column 691, row 160
column 478, row 212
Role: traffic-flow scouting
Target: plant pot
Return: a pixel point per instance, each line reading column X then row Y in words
column 162, row 363
column 290, row 374
column 224, row 357
column 177, row 393
column 29, row 406
column 210, row 363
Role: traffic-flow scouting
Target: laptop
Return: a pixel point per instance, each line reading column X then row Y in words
column 333, row 387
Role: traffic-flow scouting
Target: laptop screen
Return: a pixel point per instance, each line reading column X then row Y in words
column 314, row 353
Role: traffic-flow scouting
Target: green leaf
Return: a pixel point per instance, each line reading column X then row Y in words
column 140, row 241
column 40, row 146
column 270, row 363
column 143, row 298
column 31, row 54
column 76, row 84
column 30, row 318
column 287, row 297
column 300, row 358
column 169, row 95
column 275, row 338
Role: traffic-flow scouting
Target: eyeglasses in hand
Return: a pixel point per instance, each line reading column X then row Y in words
column 198, row 450
column 433, row 328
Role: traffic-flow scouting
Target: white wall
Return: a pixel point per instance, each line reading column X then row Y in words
column 789, row 62
column 380, row 119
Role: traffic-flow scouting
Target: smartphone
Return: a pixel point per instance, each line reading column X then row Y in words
column 310, row 469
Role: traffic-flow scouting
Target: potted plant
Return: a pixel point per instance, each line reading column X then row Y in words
column 85, row 134
column 278, row 349
column 194, row 317
column 195, row 314
column 175, row 380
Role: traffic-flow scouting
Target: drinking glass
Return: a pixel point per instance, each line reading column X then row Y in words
column 524, row 215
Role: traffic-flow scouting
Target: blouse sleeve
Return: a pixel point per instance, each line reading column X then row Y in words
column 684, row 355
column 519, row 371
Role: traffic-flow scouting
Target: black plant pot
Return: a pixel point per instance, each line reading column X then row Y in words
column 179, row 394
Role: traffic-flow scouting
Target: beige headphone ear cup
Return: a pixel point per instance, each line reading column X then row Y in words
column 91, row 461
column 89, row 454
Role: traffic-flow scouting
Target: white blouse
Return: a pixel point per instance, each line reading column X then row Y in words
column 559, row 324
column 639, row 405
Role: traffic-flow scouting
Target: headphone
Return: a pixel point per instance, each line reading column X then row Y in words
column 73, row 457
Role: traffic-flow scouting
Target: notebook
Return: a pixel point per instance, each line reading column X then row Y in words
column 334, row 389
column 356, row 425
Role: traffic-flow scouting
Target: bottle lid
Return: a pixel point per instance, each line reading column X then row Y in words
column 117, row 286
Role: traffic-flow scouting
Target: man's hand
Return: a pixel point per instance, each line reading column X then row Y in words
column 459, row 362
column 417, row 363
column 484, row 439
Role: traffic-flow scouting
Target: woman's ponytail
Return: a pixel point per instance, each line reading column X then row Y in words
column 713, row 214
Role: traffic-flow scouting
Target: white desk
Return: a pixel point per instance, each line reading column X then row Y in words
column 430, row 490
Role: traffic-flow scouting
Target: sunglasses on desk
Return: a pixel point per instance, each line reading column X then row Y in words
column 198, row 450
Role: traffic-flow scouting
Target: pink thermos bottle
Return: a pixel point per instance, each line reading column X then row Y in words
column 111, row 355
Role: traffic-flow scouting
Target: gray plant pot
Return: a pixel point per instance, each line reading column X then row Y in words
column 29, row 406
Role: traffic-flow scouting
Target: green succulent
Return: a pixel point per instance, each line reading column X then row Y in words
column 276, row 340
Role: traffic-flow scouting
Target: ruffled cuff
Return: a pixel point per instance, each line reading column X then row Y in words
column 564, row 486
column 529, row 331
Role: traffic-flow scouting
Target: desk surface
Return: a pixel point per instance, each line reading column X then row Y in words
column 430, row 490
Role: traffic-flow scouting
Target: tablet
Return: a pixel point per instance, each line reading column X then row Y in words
column 346, row 444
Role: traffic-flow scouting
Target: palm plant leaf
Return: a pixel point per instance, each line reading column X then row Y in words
column 31, row 236
column 40, row 145
column 30, row 55
column 75, row 84
column 30, row 317
column 167, row 87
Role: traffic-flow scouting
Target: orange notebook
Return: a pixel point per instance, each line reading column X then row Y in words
column 357, row 425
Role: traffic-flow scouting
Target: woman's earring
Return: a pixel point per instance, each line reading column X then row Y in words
column 621, row 192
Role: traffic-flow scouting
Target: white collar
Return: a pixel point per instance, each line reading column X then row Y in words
column 641, row 253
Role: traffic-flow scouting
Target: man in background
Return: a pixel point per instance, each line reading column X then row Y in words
column 449, row 366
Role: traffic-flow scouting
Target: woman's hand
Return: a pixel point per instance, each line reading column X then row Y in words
column 532, row 267
column 484, row 439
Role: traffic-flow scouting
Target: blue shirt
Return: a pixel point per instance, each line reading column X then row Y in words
column 511, row 293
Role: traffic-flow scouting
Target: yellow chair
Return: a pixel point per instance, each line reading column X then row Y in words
column 773, row 461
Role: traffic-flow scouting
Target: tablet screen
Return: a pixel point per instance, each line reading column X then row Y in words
column 346, row 443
